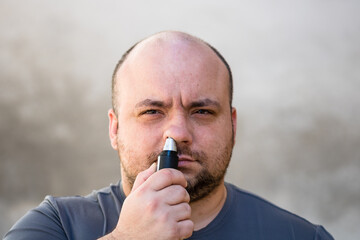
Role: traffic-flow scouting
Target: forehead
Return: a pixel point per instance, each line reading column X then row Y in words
column 175, row 65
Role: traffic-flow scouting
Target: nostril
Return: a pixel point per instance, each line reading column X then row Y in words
column 179, row 135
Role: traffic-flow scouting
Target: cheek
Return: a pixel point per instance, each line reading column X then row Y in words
column 132, row 159
column 133, row 135
column 138, row 146
column 215, row 136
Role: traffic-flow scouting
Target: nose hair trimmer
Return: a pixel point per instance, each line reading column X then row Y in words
column 168, row 158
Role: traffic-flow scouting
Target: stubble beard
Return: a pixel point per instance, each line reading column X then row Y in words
column 199, row 186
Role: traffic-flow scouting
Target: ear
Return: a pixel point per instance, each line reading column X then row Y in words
column 113, row 128
column 234, row 122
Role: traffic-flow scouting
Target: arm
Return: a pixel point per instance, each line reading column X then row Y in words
column 41, row 223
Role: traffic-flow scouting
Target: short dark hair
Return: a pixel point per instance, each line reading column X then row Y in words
column 126, row 54
column 113, row 81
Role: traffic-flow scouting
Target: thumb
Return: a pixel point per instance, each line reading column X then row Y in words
column 143, row 176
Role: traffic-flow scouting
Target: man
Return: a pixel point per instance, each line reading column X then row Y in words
column 168, row 85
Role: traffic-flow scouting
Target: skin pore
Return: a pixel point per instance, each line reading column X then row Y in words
column 174, row 85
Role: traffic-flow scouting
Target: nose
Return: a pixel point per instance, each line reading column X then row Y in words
column 179, row 128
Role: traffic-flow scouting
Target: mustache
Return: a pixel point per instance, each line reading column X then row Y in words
column 196, row 155
column 199, row 156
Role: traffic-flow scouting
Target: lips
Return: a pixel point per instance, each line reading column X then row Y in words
column 185, row 161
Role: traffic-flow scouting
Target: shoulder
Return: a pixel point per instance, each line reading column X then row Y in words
column 95, row 214
column 270, row 218
column 73, row 217
column 259, row 205
column 106, row 197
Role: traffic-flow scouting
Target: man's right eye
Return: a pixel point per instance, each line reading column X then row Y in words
column 150, row 112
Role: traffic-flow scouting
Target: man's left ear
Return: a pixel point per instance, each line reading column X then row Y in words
column 234, row 123
column 113, row 128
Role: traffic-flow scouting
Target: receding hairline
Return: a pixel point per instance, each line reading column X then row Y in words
column 159, row 37
column 163, row 36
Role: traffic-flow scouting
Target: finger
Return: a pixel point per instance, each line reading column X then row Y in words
column 181, row 212
column 166, row 177
column 143, row 176
column 174, row 194
column 185, row 228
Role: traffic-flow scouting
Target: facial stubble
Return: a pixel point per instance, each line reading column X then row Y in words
column 199, row 186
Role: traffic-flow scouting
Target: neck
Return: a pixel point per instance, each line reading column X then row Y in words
column 126, row 186
column 205, row 210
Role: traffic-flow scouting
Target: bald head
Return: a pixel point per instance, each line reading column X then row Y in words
column 173, row 43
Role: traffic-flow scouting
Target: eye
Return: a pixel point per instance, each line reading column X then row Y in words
column 150, row 115
column 203, row 111
column 150, row 112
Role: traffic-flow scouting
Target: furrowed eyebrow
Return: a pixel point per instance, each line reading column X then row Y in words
column 155, row 103
column 151, row 103
column 204, row 103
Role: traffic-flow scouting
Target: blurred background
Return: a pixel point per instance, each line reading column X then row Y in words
column 296, row 67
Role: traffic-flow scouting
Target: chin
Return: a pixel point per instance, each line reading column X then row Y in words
column 190, row 173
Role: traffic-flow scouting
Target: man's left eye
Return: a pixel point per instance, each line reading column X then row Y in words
column 203, row 111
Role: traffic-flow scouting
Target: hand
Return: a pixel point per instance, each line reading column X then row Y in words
column 157, row 207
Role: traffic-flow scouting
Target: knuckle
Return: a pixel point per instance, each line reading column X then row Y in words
column 141, row 176
column 164, row 218
column 139, row 192
column 188, row 228
column 167, row 173
column 178, row 190
column 152, row 205
column 186, row 195
column 174, row 232
column 181, row 193
column 186, row 211
column 187, row 208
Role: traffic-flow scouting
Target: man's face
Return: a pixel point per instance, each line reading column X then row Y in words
column 175, row 89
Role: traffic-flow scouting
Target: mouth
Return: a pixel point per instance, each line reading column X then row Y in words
column 185, row 161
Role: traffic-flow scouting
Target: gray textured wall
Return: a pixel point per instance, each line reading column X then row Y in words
column 296, row 67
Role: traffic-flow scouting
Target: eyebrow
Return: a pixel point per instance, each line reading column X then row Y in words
column 204, row 103
column 152, row 103
column 155, row 103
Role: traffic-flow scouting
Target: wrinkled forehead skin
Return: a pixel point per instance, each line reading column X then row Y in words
column 178, row 58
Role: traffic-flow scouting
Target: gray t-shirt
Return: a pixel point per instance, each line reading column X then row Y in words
column 243, row 216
